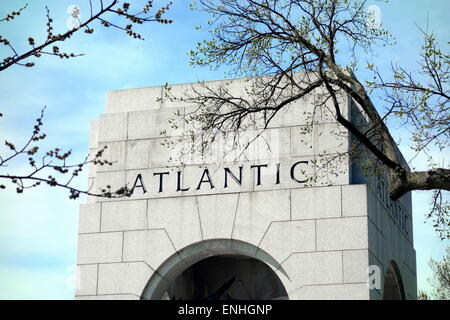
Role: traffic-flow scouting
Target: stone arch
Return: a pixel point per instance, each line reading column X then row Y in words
column 183, row 259
column 393, row 285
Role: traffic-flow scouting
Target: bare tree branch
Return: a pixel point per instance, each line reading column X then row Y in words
column 52, row 168
column 118, row 8
column 291, row 48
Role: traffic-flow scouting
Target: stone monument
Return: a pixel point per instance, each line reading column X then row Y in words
column 259, row 220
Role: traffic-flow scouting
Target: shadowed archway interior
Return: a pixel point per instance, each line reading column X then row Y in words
column 227, row 277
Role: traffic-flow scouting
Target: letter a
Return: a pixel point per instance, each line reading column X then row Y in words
column 140, row 185
column 202, row 180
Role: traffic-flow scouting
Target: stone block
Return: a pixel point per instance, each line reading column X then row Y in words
column 151, row 246
column 356, row 263
column 302, row 142
column 155, row 123
column 133, row 99
column 124, row 215
column 332, row 169
column 296, row 113
column 342, row 234
column 112, row 127
column 356, row 291
column 324, row 111
column 86, row 280
column 308, row 203
column 271, row 144
column 138, row 154
column 99, row 247
column 89, row 218
column 115, row 153
column 256, row 211
column 179, row 216
column 123, row 278
column 169, row 151
column 354, row 200
column 92, row 168
column 373, row 239
column 330, row 138
column 287, row 237
column 314, row 268
column 372, row 206
column 217, row 213
column 114, row 179
column 92, row 188
column 173, row 95
column 93, row 134
column 410, row 283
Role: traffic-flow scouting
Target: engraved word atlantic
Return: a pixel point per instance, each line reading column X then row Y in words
column 230, row 176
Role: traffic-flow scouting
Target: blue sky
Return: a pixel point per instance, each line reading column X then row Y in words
column 38, row 228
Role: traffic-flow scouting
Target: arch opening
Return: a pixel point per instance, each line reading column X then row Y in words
column 227, row 277
column 218, row 269
column 393, row 285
